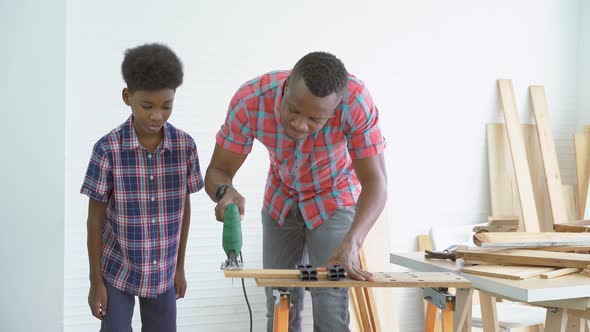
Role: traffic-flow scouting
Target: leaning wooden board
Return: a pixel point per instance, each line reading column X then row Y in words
column 548, row 151
column 503, row 191
column 526, row 257
column 582, row 153
column 519, row 161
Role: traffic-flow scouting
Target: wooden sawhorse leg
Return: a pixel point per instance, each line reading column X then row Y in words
column 281, row 312
column 439, row 299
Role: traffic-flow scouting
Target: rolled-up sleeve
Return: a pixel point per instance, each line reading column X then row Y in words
column 361, row 126
column 235, row 135
column 194, row 176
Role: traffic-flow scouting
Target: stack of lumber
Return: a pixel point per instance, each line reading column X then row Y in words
column 525, row 181
column 519, row 256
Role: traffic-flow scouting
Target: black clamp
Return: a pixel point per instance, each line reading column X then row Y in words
column 336, row 272
column 307, row 273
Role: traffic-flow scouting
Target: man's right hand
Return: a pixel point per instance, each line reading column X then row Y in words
column 97, row 299
column 232, row 196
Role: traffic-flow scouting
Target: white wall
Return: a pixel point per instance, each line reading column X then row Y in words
column 32, row 91
column 583, row 111
column 430, row 65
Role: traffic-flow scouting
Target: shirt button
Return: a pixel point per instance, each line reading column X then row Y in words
column 153, row 220
column 150, row 155
column 155, row 262
column 151, row 177
column 153, row 198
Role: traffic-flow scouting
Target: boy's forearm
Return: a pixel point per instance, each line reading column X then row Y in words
column 186, row 221
column 94, row 226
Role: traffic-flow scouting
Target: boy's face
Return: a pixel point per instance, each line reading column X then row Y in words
column 151, row 109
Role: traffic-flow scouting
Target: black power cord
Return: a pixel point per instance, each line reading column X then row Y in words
column 246, row 297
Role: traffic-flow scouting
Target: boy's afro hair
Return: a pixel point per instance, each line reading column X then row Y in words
column 151, row 67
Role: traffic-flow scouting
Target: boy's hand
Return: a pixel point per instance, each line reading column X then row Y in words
column 232, row 196
column 97, row 299
column 180, row 283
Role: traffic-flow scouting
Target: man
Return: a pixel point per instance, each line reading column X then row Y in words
column 321, row 130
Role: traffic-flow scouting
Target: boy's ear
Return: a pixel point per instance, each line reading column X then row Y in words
column 126, row 94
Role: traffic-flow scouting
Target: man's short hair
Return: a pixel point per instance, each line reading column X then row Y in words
column 151, row 67
column 323, row 73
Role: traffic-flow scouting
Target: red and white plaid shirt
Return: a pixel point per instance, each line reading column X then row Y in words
column 145, row 195
column 316, row 172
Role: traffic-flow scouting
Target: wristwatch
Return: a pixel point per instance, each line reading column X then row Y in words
column 221, row 191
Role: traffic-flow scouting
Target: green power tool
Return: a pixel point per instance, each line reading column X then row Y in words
column 232, row 238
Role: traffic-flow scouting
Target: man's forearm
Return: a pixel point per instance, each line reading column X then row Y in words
column 213, row 179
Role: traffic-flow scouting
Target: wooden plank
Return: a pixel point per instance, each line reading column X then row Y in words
column 559, row 273
column 549, row 154
column 363, row 318
column 489, row 314
column 580, row 313
column 571, row 203
column 555, row 321
column 376, row 257
column 424, row 243
column 431, row 311
column 462, row 315
column 513, row 272
column 369, row 297
column 389, row 279
column 499, row 221
column 565, row 249
column 530, row 239
column 527, row 257
column 503, row 194
column 573, row 226
column 519, row 161
column 355, row 313
column 575, row 324
column 582, row 154
column 269, row 274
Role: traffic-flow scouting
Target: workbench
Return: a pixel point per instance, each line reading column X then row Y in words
column 564, row 295
column 453, row 308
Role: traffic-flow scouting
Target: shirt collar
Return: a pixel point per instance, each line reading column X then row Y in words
column 131, row 142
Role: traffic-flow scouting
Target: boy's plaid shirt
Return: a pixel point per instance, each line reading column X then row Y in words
column 145, row 195
column 316, row 172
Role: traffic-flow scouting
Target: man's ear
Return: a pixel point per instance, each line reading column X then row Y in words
column 126, row 95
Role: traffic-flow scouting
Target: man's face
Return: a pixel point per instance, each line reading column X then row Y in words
column 302, row 113
column 151, row 109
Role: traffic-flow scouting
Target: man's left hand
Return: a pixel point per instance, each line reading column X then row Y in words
column 180, row 283
column 347, row 256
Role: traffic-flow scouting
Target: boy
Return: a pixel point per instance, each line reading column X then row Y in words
column 138, row 180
